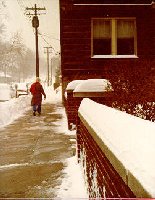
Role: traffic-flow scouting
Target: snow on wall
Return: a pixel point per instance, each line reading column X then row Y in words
column 129, row 138
column 94, row 85
column 72, row 85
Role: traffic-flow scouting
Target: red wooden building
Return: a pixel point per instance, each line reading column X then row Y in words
column 104, row 38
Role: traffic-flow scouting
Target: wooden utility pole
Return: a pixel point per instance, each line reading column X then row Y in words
column 48, row 52
column 35, row 24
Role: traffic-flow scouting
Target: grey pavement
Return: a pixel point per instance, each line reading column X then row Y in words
column 33, row 151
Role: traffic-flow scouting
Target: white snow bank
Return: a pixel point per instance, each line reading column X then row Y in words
column 93, row 85
column 52, row 96
column 5, row 92
column 73, row 174
column 14, row 108
column 131, row 139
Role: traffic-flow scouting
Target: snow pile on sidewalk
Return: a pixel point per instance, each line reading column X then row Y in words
column 16, row 107
column 13, row 109
column 73, row 185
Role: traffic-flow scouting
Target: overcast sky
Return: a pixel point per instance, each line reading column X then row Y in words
column 49, row 22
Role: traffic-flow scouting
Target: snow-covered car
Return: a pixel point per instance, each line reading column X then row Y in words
column 5, row 92
column 21, row 89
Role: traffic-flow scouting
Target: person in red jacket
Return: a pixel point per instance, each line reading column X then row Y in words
column 37, row 91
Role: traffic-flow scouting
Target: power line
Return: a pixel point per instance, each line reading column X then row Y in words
column 28, row 16
column 46, row 41
column 23, row 7
column 49, row 37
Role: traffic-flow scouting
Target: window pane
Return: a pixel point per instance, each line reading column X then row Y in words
column 125, row 37
column 101, row 37
column 102, row 47
column 101, row 28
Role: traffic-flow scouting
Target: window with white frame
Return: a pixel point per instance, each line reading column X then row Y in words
column 114, row 36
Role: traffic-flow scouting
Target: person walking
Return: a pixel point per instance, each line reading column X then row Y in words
column 37, row 91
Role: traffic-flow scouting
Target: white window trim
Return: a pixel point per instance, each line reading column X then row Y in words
column 113, row 45
column 114, row 56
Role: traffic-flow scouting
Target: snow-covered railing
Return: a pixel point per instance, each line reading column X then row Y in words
column 98, row 90
column 71, row 104
column 92, row 88
column 72, row 85
column 117, row 152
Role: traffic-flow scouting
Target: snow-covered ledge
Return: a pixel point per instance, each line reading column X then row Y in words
column 92, row 88
column 127, row 141
column 72, row 85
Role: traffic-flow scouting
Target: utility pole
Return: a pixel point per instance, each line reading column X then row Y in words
column 48, row 52
column 35, row 24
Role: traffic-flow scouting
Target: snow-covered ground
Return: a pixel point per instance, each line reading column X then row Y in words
column 137, row 138
column 73, row 183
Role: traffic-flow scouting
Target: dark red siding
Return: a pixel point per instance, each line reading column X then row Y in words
column 75, row 28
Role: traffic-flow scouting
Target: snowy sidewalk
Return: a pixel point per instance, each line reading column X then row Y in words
column 35, row 154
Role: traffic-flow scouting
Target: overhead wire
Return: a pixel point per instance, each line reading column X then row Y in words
column 50, row 37
column 23, row 4
column 43, row 3
column 49, row 44
column 23, row 7
column 38, row 3
column 45, row 40
column 46, row 3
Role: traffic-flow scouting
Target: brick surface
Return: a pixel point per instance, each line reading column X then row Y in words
column 94, row 159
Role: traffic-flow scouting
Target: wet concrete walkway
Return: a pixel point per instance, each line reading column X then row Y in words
column 33, row 153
